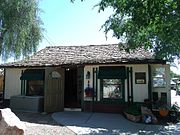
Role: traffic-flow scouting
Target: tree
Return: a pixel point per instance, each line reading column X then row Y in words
column 153, row 24
column 20, row 27
column 174, row 75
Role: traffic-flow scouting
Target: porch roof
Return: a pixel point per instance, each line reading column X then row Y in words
column 82, row 55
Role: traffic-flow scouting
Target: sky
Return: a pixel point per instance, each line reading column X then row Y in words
column 77, row 23
column 176, row 67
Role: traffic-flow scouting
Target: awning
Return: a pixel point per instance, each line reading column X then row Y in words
column 33, row 74
column 118, row 72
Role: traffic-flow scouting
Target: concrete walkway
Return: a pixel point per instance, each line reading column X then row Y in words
column 83, row 123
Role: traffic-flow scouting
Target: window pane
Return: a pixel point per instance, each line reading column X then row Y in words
column 159, row 77
column 112, row 88
column 35, row 88
column 159, row 72
column 158, row 82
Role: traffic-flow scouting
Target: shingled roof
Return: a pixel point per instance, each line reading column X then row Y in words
column 80, row 55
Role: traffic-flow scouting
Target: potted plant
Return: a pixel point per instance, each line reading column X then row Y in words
column 173, row 112
column 163, row 107
column 133, row 113
column 164, row 111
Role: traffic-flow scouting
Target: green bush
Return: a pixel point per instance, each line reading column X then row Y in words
column 133, row 109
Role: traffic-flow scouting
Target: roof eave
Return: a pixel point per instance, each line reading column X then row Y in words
column 125, row 61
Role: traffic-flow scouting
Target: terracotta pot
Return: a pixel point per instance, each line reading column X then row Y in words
column 163, row 112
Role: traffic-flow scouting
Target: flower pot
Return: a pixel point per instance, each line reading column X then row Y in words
column 163, row 112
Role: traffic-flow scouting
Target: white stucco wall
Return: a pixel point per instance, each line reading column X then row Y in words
column 140, row 91
column 167, row 87
column 90, row 69
column 12, row 82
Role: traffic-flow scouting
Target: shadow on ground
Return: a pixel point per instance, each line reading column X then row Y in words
column 37, row 118
column 101, row 123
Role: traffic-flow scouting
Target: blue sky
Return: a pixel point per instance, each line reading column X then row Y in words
column 77, row 23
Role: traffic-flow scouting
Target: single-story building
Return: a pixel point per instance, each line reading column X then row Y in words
column 99, row 78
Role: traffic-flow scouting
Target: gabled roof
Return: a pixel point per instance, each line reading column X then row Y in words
column 80, row 55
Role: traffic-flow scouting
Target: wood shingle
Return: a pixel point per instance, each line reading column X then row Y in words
column 80, row 55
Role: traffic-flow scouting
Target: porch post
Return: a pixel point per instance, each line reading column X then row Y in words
column 149, row 82
column 131, row 72
column 128, row 96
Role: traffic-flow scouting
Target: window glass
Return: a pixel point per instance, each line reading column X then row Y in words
column 159, row 77
column 112, row 88
column 35, row 88
column 159, row 72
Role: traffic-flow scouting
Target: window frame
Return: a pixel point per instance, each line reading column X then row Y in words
column 140, row 77
column 112, row 99
column 29, row 75
column 162, row 76
column 28, row 88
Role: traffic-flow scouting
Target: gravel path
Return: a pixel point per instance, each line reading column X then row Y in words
column 42, row 124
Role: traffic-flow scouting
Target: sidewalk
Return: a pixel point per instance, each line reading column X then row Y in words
column 83, row 123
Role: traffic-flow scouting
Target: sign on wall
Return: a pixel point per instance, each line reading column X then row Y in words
column 140, row 78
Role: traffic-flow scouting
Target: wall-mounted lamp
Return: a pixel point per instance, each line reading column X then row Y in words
column 88, row 75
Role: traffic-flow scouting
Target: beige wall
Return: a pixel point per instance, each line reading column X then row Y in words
column 90, row 69
column 167, row 87
column 140, row 91
column 12, row 82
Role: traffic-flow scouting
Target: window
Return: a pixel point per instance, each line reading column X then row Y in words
column 112, row 89
column 159, row 77
column 118, row 72
column 35, row 88
column 32, row 82
column 112, row 82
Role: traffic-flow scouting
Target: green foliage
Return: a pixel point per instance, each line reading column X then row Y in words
column 175, row 107
column 133, row 110
column 153, row 24
column 20, row 27
column 173, row 75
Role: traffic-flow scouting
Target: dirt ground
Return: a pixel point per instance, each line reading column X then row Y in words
column 42, row 124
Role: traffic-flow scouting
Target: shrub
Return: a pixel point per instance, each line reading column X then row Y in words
column 133, row 109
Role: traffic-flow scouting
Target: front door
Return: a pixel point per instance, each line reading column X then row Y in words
column 71, row 94
column 54, row 90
